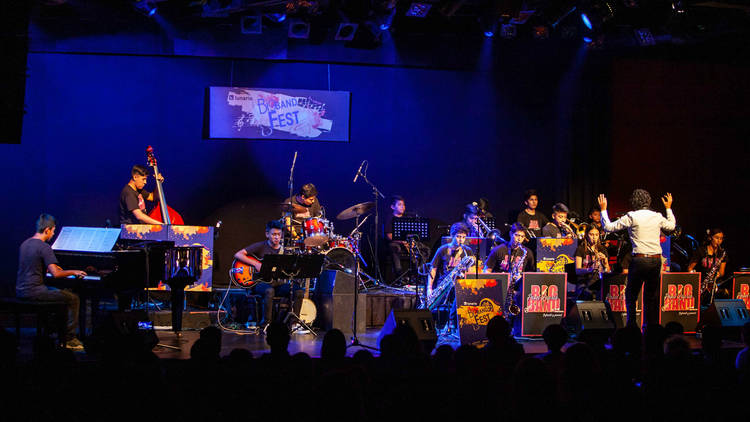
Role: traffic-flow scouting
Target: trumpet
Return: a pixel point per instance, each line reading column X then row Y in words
column 580, row 229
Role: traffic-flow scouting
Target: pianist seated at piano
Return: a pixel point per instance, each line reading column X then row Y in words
column 35, row 258
column 133, row 197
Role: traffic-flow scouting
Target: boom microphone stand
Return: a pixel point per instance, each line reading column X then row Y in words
column 375, row 193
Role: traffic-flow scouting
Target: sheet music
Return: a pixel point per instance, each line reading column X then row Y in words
column 86, row 239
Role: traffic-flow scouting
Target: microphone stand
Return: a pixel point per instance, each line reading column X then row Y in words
column 291, row 192
column 375, row 194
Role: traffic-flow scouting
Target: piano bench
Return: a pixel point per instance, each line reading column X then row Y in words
column 42, row 309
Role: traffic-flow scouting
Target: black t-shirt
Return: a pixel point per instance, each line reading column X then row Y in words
column 447, row 257
column 587, row 258
column 534, row 223
column 130, row 200
column 261, row 249
column 388, row 224
column 704, row 261
column 34, row 256
column 499, row 262
column 313, row 210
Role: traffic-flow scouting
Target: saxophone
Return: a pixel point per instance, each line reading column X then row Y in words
column 516, row 272
column 440, row 293
column 709, row 283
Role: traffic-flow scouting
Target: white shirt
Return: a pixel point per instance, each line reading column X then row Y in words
column 644, row 228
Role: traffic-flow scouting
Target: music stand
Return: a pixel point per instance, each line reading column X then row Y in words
column 405, row 226
column 276, row 267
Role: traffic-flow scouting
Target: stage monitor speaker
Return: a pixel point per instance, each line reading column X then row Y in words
column 589, row 316
column 334, row 297
column 730, row 314
column 132, row 327
column 420, row 320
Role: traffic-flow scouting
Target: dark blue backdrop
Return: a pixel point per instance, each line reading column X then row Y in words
column 439, row 138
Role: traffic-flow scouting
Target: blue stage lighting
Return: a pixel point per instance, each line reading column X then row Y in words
column 586, row 21
column 587, row 40
column 385, row 26
column 489, row 34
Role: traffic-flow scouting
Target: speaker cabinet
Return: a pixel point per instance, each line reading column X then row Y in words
column 589, row 316
column 420, row 320
column 334, row 296
column 730, row 314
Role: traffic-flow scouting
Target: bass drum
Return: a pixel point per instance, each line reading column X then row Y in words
column 341, row 259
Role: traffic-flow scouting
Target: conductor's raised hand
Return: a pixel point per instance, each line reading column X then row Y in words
column 667, row 200
column 602, row 202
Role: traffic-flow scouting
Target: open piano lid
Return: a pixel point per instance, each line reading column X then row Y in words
column 86, row 239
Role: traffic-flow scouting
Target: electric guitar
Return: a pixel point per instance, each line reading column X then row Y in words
column 245, row 275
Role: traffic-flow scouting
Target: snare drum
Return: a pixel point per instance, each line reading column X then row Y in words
column 337, row 241
column 316, row 231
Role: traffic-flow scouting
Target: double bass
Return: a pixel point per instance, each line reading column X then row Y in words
column 162, row 212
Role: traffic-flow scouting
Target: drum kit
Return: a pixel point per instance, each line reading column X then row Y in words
column 316, row 235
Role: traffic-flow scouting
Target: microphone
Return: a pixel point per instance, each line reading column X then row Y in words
column 294, row 160
column 359, row 171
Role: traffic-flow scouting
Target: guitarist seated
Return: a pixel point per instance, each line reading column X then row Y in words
column 133, row 198
column 253, row 255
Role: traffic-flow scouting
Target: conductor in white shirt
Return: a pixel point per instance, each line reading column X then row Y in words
column 644, row 227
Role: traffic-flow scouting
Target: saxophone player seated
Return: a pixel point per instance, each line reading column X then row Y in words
column 446, row 258
column 559, row 226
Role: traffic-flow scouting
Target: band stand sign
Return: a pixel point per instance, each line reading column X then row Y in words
column 613, row 294
column 679, row 299
column 479, row 298
column 741, row 288
column 544, row 296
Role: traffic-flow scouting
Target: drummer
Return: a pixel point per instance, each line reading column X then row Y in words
column 305, row 203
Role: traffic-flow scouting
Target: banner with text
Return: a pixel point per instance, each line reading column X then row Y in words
column 679, row 299
column 544, row 296
column 741, row 288
column 291, row 114
column 479, row 298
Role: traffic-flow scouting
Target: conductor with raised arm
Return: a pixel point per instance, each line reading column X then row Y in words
column 644, row 228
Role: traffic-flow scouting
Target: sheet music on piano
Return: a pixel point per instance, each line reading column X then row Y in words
column 86, row 239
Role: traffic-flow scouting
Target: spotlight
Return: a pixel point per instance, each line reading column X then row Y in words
column 587, row 40
column 540, row 32
column 148, row 8
column 508, row 31
column 597, row 13
column 276, row 17
column 419, row 10
column 346, row 31
column 489, row 34
column 586, row 21
column 252, row 24
column 299, row 29
column 384, row 11
column 644, row 37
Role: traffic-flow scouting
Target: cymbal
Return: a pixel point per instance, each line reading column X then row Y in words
column 356, row 210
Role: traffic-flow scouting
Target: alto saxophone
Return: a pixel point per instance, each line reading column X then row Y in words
column 516, row 272
column 440, row 293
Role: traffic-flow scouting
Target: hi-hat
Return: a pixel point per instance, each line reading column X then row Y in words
column 356, row 210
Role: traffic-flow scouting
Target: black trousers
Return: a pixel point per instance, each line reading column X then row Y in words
column 643, row 273
column 71, row 299
column 268, row 291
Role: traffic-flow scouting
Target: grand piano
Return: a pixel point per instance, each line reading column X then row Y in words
column 123, row 267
